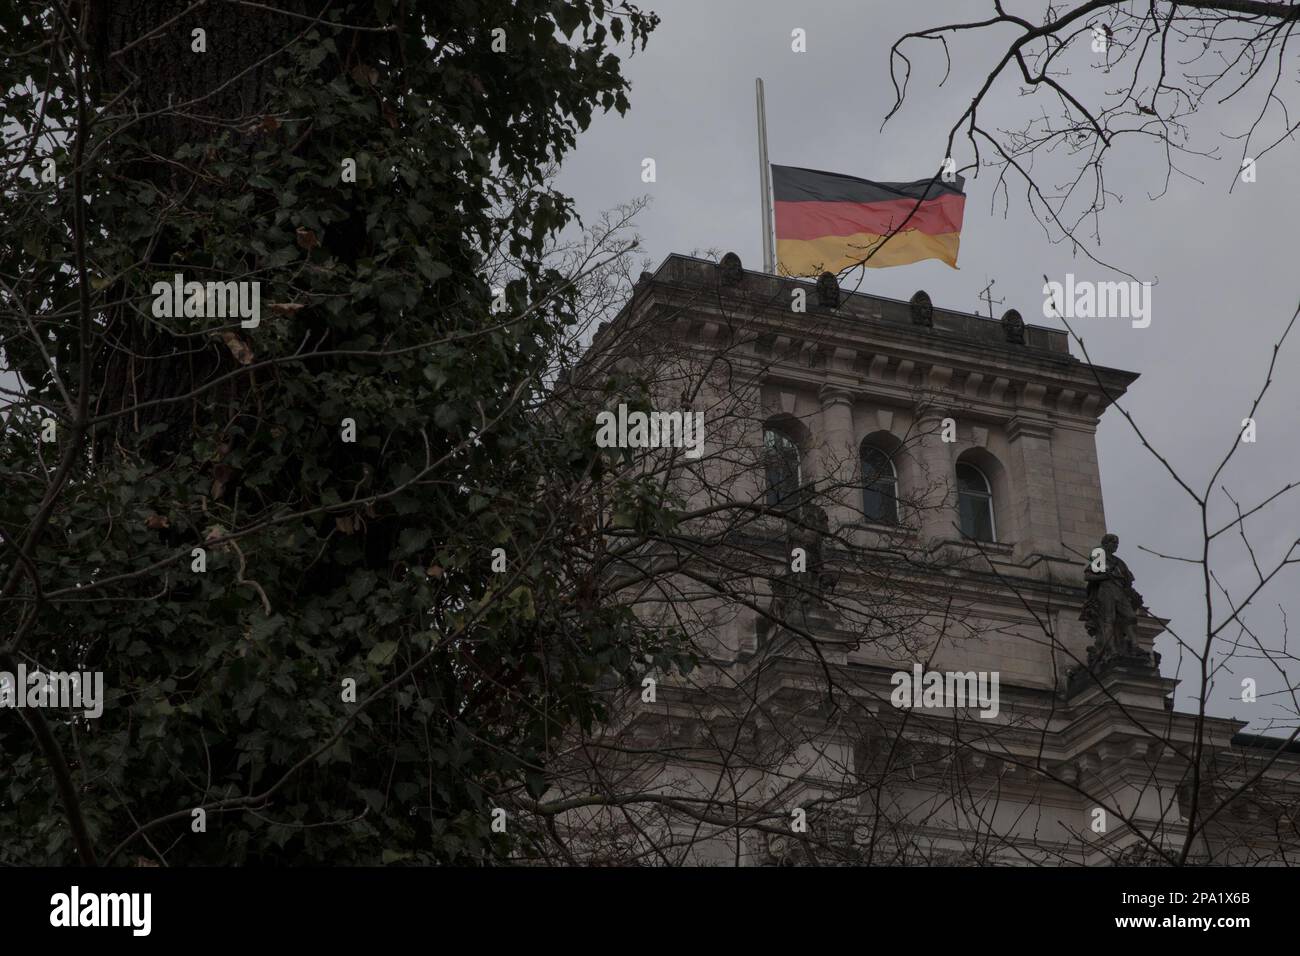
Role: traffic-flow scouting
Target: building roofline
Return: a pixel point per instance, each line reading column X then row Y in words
column 989, row 335
column 865, row 296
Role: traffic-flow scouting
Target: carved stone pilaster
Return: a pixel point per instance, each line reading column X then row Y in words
column 837, row 458
column 1034, row 473
column 939, row 503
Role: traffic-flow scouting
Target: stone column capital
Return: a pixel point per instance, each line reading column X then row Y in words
column 1021, row 427
column 830, row 394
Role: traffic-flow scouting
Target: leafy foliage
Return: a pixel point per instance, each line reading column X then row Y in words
column 326, row 560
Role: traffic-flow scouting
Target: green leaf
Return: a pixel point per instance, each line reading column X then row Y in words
column 382, row 653
column 536, row 784
column 567, row 17
column 263, row 627
column 412, row 540
column 521, row 598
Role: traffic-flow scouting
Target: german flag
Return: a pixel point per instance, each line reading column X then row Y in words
column 826, row 222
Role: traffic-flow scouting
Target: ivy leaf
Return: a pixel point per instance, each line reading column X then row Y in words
column 536, row 784
column 412, row 540
column 264, row 627
column 382, row 653
column 567, row 18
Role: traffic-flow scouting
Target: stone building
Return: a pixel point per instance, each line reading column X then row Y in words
column 919, row 495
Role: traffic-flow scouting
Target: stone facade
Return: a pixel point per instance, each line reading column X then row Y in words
column 1079, row 765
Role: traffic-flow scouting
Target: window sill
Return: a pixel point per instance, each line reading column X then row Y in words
column 881, row 527
column 1003, row 549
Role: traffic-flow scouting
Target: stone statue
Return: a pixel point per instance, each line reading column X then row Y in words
column 1111, row 607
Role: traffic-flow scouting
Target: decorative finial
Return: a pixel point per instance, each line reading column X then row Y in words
column 828, row 291
column 1013, row 326
column 922, row 309
column 731, row 272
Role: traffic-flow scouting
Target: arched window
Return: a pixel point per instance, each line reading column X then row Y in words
column 974, row 503
column 879, row 486
column 784, row 471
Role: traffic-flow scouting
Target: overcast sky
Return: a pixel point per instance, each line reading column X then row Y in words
column 1225, row 263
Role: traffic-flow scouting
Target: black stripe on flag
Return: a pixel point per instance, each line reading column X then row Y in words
column 796, row 184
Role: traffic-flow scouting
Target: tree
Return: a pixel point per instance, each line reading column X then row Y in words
column 1175, row 57
column 273, row 529
column 1160, row 62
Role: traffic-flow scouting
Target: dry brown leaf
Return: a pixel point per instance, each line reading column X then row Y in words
column 269, row 124
column 155, row 522
column 434, row 571
column 221, row 475
column 238, row 348
column 346, row 523
column 365, row 75
column 307, row 239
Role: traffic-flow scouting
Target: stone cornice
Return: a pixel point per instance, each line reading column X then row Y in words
column 889, row 360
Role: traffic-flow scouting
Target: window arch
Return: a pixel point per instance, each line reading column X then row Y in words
column 782, row 460
column 974, row 504
column 879, row 485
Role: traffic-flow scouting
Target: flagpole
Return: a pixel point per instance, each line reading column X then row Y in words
column 765, row 182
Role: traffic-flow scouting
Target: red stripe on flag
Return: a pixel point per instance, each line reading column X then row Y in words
column 812, row 220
